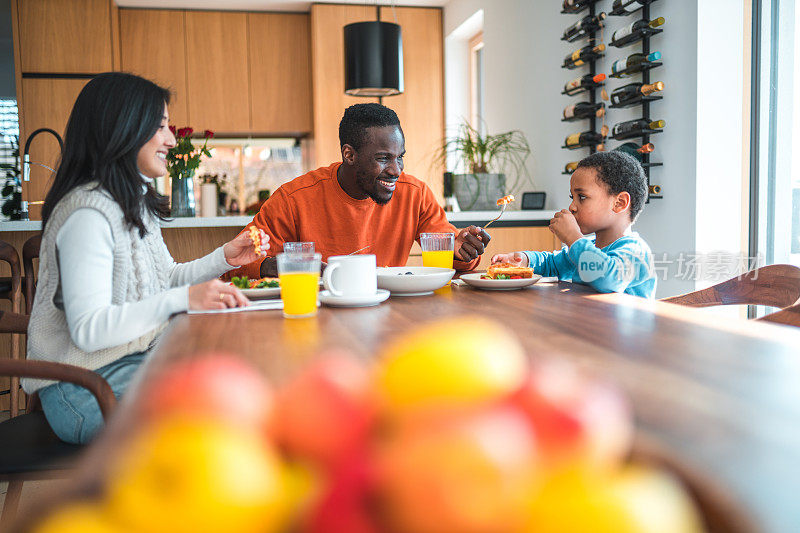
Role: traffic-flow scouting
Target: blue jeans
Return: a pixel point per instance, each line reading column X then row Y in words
column 72, row 411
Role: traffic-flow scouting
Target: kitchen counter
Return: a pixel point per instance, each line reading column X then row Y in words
column 510, row 219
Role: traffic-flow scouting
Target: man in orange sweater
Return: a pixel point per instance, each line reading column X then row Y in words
column 366, row 201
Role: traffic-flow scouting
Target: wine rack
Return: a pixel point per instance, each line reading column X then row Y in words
column 591, row 38
column 653, row 190
column 643, row 70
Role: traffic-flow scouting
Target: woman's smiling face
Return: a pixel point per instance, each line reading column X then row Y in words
column 152, row 157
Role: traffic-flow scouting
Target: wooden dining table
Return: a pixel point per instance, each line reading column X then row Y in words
column 723, row 394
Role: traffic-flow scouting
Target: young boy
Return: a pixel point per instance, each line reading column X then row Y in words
column 608, row 191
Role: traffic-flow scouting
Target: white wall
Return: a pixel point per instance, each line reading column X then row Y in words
column 523, row 53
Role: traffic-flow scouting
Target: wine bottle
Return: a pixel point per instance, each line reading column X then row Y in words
column 631, row 93
column 582, row 55
column 571, row 166
column 587, row 138
column 583, row 83
column 627, row 7
column 654, row 189
column 575, row 6
column 635, row 128
column 635, row 31
column 622, row 68
column 584, row 110
column 635, row 150
column 583, row 27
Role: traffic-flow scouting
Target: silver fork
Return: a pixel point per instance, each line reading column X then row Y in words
column 502, row 210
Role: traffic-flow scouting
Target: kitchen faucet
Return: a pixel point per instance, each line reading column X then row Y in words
column 26, row 164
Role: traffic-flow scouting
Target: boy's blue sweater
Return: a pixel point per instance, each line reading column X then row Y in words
column 625, row 265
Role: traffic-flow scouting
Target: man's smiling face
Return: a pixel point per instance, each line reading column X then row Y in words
column 379, row 162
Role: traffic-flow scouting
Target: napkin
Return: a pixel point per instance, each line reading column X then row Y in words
column 259, row 305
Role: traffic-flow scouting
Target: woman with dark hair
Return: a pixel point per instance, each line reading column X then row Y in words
column 107, row 283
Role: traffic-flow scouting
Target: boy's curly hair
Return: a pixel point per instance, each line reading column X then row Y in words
column 620, row 172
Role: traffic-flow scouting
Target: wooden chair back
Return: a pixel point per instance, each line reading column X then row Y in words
column 12, row 292
column 773, row 285
column 789, row 316
column 30, row 251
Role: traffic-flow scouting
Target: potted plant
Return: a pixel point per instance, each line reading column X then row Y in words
column 484, row 160
column 182, row 162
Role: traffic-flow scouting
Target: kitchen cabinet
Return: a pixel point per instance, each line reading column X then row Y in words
column 280, row 72
column 66, row 36
column 153, row 45
column 217, row 71
column 48, row 103
column 327, row 67
column 421, row 106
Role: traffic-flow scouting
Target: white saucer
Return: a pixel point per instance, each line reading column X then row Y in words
column 353, row 301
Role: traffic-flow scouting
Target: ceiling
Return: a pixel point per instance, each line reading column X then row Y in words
column 265, row 5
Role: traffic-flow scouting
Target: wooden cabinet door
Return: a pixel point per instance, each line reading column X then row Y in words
column 217, row 76
column 153, row 45
column 65, row 36
column 421, row 106
column 48, row 103
column 327, row 65
column 280, row 72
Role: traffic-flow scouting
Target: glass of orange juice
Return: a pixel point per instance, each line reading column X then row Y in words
column 437, row 249
column 299, row 279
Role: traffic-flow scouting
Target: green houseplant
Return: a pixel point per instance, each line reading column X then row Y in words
column 483, row 161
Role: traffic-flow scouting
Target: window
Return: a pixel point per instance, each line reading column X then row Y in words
column 476, row 92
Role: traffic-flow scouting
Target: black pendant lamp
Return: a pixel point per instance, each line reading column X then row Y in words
column 373, row 59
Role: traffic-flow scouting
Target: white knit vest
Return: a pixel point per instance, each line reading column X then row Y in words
column 141, row 269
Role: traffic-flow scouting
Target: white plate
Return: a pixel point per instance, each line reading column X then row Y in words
column 266, row 292
column 353, row 301
column 422, row 280
column 498, row 284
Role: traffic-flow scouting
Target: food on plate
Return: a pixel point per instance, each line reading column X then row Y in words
column 506, row 199
column 261, row 283
column 507, row 271
column 255, row 236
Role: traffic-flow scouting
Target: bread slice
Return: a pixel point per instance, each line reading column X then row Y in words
column 507, row 269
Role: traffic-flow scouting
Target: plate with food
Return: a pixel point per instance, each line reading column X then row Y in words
column 502, row 277
column 257, row 288
column 413, row 281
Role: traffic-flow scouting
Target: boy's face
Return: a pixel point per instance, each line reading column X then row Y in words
column 592, row 205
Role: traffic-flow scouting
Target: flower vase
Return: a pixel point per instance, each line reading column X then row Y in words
column 183, row 195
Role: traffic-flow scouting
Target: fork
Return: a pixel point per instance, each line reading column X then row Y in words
column 360, row 249
column 502, row 210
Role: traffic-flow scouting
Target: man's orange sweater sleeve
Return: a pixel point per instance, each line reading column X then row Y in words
column 432, row 219
column 277, row 220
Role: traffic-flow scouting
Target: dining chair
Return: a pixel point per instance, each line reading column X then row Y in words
column 10, row 289
column 30, row 450
column 789, row 316
column 30, row 251
column 773, row 286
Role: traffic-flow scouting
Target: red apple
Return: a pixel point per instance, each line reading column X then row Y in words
column 472, row 473
column 216, row 386
column 343, row 506
column 324, row 415
column 578, row 421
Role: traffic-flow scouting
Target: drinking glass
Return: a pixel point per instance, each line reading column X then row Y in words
column 437, row 249
column 299, row 279
column 298, row 247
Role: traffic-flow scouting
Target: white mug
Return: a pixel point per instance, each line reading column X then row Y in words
column 351, row 275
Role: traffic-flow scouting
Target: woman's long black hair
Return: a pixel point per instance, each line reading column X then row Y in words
column 113, row 117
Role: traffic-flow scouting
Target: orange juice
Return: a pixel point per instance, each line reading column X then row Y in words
column 299, row 293
column 438, row 258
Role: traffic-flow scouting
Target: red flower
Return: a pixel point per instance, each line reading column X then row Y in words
column 173, row 130
column 208, row 134
column 185, row 132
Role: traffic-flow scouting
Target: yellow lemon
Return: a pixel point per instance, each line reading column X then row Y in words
column 78, row 518
column 635, row 500
column 451, row 363
column 194, row 476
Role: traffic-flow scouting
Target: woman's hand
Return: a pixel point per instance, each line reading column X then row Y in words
column 515, row 258
column 240, row 250
column 215, row 294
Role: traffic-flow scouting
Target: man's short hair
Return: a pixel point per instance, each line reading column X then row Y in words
column 620, row 172
column 357, row 118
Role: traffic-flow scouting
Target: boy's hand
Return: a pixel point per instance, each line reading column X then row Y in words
column 515, row 258
column 565, row 227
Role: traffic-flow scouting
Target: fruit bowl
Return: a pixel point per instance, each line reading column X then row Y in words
column 413, row 281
